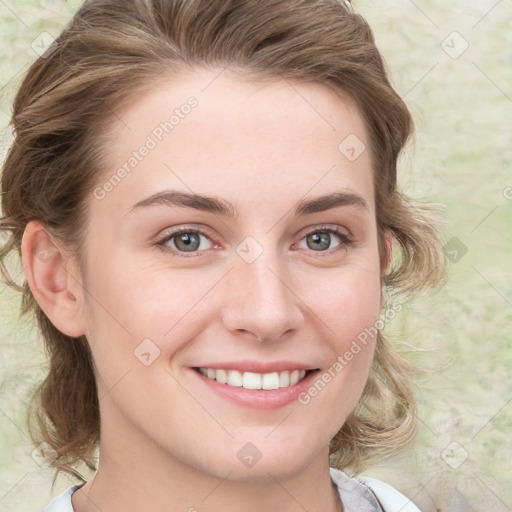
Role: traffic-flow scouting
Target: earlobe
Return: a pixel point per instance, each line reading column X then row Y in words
column 52, row 280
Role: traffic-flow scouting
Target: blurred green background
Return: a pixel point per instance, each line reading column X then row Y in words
column 452, row 63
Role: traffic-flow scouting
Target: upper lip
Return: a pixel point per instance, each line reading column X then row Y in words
column 258, row 367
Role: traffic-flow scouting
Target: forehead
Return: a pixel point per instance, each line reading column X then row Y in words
column 213, row 132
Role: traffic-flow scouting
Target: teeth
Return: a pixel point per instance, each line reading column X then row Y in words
column 284, row 379
column 251, row 380
column 221, row 376
column 294, row 377
column 270, row 381
column 234, row 378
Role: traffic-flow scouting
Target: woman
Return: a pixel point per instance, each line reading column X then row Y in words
column 204, row 197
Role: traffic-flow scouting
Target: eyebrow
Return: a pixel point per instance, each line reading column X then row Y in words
column 225, row 208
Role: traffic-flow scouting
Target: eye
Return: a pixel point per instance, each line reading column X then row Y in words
column 193, row 241
column 320, row 239
column 185, row 240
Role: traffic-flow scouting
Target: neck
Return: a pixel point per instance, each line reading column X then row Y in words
column 139, row 476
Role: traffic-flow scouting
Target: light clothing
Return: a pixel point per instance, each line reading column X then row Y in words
column 357, row 495
column 366, row 494
column 62, row 502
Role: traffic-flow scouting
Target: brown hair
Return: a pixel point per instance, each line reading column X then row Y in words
column 113, row 48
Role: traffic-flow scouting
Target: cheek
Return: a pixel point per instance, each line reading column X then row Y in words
column 141, row 309
column 139, row 299
column 347, row 307
column 348, row 303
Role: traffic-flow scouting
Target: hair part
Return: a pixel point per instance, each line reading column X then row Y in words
column 62, row 114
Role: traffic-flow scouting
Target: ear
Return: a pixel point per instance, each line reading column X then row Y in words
column 53, row 278
column 386, row 262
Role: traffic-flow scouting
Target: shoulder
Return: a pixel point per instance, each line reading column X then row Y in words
column 364, row 493
column 390, row 499
column 62, row 502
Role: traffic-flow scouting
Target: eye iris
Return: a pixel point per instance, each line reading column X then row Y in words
column 191, row 241
column 322, row 239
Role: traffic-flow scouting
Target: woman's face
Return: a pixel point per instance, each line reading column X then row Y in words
column 258, row 179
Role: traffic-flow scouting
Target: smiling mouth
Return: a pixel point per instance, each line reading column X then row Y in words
column 251, row 380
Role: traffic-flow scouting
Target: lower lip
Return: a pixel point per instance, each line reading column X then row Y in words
column 259, row 398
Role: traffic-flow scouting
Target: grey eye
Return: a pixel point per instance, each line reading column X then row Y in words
column 320, row 240
column 186, row 241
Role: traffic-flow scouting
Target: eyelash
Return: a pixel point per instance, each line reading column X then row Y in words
column 346, row 240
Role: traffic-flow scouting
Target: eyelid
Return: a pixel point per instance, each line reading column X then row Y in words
column 341, row 230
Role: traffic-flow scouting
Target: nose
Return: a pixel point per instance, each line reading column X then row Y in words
column 260, row 301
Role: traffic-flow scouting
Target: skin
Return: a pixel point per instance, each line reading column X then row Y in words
column 167, row 441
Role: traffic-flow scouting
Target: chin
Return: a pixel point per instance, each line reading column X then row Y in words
column 264, row 462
